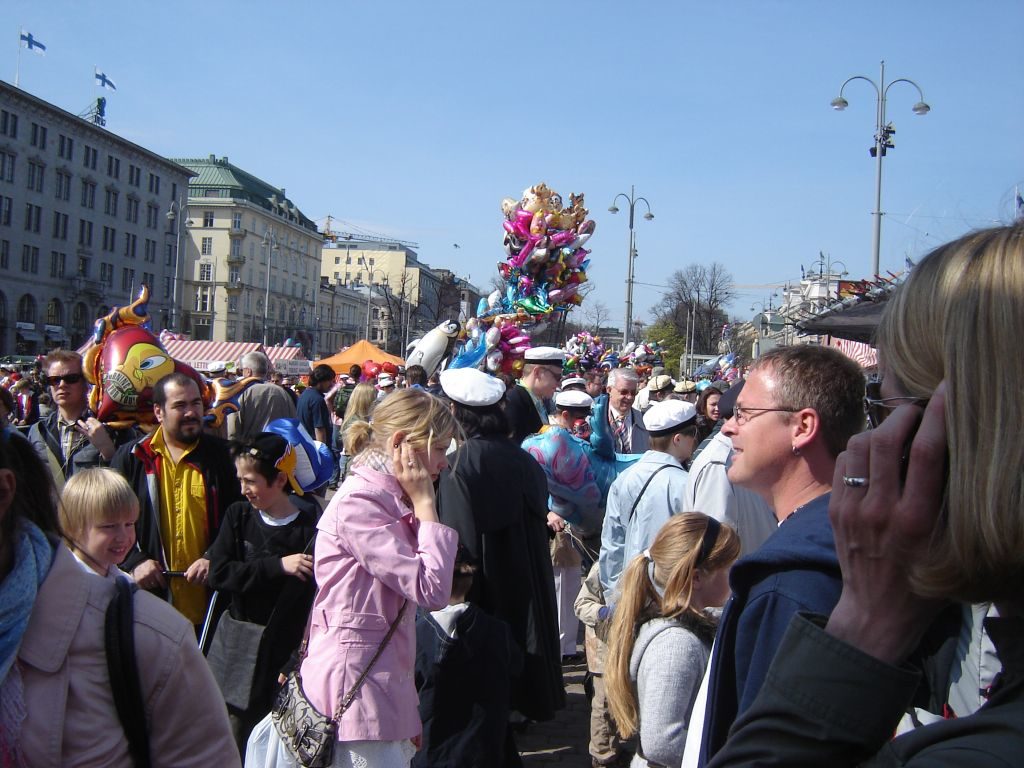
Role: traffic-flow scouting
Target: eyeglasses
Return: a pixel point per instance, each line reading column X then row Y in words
column 878, row 408
column 742, row 414
column 67, row 378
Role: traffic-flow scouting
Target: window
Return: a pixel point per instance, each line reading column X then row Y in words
column 134, row 175
column 54, row 312
column 236, row 248
column 206, row 248
column 109, row 239
column 170, row 255
column 150, row 251
column 107, row 274
column 35, row 176
column 89, row 157
column 205, row 272
column 110, row 202
column 7, row 167
column 60, row 226
column 207, row 218
column 33, row 215
column 234, row 275
column 8, row 124
column 232, row 303
column 168, row 286
column 152, row 215
column 132, row 210
column 63, row 191
column 148, row 278
column 113, row 167
column 174, row 190
column 38, row 136
column 130, row 241
column 84, row 266
column 27, row 309
column 85, row 233
column 236, row 221
column 66, row 147
column 5, row 254
column 202, row 300
column 128, row 279
column 30, row 259
column 57, row 262
column 6, row 204
column 154, row 184
column 88, row 194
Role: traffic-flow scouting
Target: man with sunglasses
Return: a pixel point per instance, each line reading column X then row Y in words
column 71, row 438
column 799, row 407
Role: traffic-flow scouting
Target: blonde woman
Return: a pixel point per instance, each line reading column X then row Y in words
column 380, row 552
column 360, row 404
column 661, row 633
column 926, row 508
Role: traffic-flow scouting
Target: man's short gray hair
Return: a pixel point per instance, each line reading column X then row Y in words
column 623, row 375
column 258, row 362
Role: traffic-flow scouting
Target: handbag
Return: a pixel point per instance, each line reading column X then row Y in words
column 309, row 734
column 233, row 656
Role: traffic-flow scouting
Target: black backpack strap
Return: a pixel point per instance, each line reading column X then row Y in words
column 639, row 496
column 124, row 672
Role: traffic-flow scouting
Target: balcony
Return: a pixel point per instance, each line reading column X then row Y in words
column 237, row 232
column 234, row 285
column 235, row 258
column 81, row 285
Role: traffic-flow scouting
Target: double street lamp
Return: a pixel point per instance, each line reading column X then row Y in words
column 883, row 141
column 269, row 241
column 632, row 199
column 179, row 222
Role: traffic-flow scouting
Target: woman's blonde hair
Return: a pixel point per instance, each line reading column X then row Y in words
column 360, row 402
column 92, row 496
column 423, row 418
column 675, row 553
column 958, row 317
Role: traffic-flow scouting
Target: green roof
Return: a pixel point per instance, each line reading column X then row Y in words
column 216, row 177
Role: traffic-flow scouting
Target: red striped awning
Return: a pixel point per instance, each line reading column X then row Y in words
column 863, row 354
column 283, row 353
column 199, row 354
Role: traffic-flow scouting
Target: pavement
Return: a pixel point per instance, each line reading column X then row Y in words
column 562, row 741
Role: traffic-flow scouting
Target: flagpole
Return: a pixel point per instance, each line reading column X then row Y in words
column 17, row 69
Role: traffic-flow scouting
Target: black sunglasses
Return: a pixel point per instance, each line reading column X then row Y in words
column 67, row 378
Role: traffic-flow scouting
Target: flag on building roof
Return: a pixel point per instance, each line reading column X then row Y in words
column 28, row 41
column 103, row 81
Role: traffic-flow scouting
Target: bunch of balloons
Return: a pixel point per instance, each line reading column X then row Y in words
column 500, row 348
column 583, row 352
column 546, row 262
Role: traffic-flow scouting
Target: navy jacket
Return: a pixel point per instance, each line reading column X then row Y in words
column 795, row 570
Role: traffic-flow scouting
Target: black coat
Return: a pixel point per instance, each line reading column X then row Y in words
column 463, row 685
column 495, row 496
column 522, row 415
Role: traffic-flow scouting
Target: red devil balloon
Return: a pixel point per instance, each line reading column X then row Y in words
column 124, row 363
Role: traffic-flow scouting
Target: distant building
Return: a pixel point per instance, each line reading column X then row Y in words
column 252, row 267
column 83, row 224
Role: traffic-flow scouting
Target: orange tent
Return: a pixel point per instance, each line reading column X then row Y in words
column 358, row 354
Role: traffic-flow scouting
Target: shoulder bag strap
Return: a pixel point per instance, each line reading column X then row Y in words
column 346, row 702
column 639, row 496
column 123, row 668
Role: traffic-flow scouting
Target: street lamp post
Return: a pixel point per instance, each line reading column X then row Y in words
column 369, row 295
column 632, row 199
column 825, row 264
column 173, row 216
column 883, row 141
column 269, row 241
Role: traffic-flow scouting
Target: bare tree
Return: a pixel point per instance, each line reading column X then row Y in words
column 596, row 315
column 698, row 295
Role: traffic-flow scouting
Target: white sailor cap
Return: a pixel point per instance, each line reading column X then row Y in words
column 573, row 398
column 545, row 356
column 385, row 380
column 471, row 386
column 218, row 366
column 574, row 381
column 668, row 414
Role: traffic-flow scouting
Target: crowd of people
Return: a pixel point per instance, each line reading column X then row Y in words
column 812, row 565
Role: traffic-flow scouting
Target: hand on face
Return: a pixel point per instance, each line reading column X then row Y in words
column 416, row 470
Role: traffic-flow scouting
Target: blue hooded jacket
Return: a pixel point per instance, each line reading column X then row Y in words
column 795, row 570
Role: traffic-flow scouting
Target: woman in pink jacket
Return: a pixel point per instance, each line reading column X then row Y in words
column 378, row 545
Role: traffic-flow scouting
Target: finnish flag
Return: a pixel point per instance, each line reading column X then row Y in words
column 103, row 81
column 28, row 41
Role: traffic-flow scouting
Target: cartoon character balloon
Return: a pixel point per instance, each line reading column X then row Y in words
column 124, row 362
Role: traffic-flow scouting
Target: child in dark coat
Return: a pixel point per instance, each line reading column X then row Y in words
column 465, row 661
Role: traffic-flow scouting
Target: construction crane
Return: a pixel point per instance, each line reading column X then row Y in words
column 333, row 237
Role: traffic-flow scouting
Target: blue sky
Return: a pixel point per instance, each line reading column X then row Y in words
column 414, row 119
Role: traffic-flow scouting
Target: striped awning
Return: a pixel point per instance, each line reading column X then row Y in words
column 863, row 354
column 199, row 354
column 283, row 353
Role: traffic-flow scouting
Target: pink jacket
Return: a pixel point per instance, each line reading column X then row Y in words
column 372, row 553
column 71, row 718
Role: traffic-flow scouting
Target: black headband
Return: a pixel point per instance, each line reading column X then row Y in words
column 707, row 544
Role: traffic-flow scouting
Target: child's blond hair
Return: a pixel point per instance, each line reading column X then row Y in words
column 91, row 496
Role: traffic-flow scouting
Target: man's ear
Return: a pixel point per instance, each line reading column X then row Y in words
column 806, row 427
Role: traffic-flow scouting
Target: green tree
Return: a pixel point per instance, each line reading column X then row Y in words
column 673, row 345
